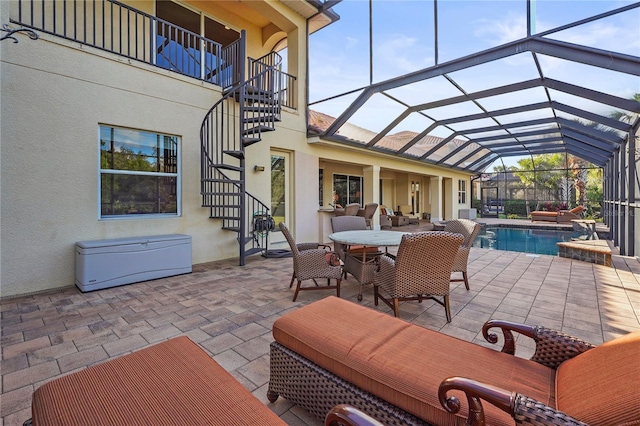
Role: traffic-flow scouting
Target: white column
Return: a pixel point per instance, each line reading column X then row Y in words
column 435, row 198
column 371, row 191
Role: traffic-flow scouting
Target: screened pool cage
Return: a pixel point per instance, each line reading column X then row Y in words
column 540, row 94
column 516, row 193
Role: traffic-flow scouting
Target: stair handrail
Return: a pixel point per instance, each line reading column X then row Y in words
column 262, row 85
column 231, row 92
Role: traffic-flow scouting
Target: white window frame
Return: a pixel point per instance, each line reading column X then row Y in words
column 462, row 191
column 177, row 175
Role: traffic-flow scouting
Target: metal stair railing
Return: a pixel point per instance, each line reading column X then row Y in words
column 237, row 120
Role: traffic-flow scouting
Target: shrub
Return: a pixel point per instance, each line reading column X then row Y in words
column 554, row 206
column 515, row 208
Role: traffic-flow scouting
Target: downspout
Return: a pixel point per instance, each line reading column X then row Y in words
column 476, row 177
column 504, row 168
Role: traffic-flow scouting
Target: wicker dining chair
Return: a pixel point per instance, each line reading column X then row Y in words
column 313, row 264
column 359, row 261
column 421, row 270
column 469, row 230
column 349, row 223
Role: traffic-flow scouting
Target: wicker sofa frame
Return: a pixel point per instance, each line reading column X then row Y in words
column 318, row 390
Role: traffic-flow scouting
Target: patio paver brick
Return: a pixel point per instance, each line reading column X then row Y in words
column 229, row 310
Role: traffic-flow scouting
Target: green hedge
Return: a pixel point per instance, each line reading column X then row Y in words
column 515, row 207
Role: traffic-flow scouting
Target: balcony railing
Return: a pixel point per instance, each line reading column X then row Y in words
column 117, row 28
column 283, row 85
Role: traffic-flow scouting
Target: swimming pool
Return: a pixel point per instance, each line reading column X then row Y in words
column 524, row 240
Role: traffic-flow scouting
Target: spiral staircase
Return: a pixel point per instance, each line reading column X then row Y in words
column 249, row 107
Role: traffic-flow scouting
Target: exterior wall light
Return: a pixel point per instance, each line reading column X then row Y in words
column 258, row 168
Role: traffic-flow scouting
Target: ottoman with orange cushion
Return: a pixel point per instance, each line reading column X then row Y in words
column 170, row 383
column 337, row 352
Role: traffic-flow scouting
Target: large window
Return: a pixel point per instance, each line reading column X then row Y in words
column 347, row 189
column 185, row 51
column 139, row 173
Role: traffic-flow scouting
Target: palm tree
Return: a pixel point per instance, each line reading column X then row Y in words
column 626, row 116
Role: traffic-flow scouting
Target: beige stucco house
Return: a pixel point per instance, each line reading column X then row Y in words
column 101, row 132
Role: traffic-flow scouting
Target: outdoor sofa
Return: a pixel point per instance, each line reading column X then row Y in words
column 562, row 216
column 337, row 352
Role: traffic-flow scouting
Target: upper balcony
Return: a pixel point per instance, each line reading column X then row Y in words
column 171, row 40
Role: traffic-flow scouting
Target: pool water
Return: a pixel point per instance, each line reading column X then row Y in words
column 539, row 241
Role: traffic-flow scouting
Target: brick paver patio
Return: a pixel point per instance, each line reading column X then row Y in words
column 229, row 311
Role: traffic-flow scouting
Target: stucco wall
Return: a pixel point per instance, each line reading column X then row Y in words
column 55, row 96
column 56, row 93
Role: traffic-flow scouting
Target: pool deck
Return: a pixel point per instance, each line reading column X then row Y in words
column 229, row 311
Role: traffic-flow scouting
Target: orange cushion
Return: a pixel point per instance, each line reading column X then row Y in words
column 544, row 213
column 602, row 385
column 403, row 363
column 174, row 382
column 332, row 259
column 355, row 249
column 576, row 209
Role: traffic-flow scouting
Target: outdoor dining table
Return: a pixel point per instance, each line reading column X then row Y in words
column 362, row 269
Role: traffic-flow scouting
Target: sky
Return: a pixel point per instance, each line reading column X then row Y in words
column 404, row 41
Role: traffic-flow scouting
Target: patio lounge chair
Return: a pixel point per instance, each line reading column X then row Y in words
column 311, row 265
column 168, row 383
column 469, row 230
column 173, row 382
column 421, row 270
column 335, row 351
column 561, row 216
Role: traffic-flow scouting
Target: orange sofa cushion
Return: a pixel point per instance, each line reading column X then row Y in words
column 174, row 382
column 602, row 385
column 403, row 363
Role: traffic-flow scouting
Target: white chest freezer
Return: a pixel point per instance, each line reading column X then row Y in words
column 109, row 263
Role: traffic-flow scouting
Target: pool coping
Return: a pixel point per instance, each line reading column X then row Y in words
column 591, row 251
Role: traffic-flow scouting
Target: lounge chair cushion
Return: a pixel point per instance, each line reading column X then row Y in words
column 577, row 210
column 601, row 386
column 403, row 363
column 174, row 382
